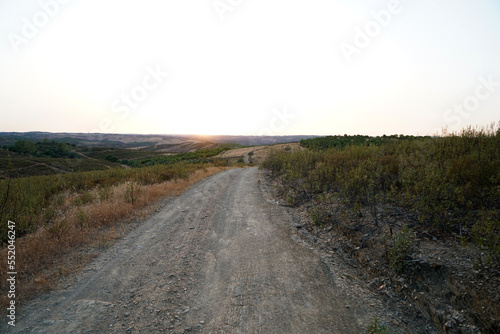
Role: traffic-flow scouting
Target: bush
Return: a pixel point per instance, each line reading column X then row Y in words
column 85, row 197
column 58, row 229
column 81, row 219
column 105, row 193
column 486, row 236
column 111, row 158
column 132, row 193
column 448, row 183
column 399, row 254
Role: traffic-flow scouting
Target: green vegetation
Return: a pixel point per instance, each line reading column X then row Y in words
column 26, row 158
column 44, row 149
column 377, row 328
column 102, row 153
column 450, row 184
column 400, row 252
column 324, row 143
column 38, row 174
column 22, row 157
column 111, row 158
column 27, row 201
column 197, row 156
column 26, row 166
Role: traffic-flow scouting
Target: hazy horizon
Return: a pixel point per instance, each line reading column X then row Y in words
column 249, row 67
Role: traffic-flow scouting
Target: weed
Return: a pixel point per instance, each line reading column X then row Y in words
column 105, row 193
column 103, row 242
column 49, row 214
column 81, row 219
column 132, row 193
column 59, row 229
column 400, row 252
column 59, row 199
column 321, row 213
column 85, row 197
column 377, row 328
column 486, row 236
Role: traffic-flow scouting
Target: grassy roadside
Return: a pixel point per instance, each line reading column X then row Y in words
column 420, row 217
column 74, row 216
column 449, row 184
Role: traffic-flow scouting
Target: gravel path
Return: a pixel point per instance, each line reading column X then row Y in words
column 217, row 259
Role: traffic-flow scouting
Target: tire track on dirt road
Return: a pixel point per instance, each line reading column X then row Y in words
column 216, row 259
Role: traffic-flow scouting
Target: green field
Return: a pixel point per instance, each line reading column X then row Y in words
column 32, row 166
column 197, row 156
column 119, row 153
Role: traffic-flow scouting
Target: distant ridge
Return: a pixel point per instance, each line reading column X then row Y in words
column 150, row 142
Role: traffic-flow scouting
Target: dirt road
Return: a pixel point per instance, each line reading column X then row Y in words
column 217, row 259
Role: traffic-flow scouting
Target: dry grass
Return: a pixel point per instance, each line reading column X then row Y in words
column 77, row 233
column 260, row 153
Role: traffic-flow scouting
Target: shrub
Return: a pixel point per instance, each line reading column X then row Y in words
column 58, row 229
column 400, row 252
column 132, row 193
column 321, row 212
column 105, row 193
column 83, row 198
column 81, row 219
column 111, row 158
column 446, row 182
column 486, row 236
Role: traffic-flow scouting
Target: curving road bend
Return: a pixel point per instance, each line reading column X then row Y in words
column 217, row 259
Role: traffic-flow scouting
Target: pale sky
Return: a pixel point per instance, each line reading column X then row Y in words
column 249, row 67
